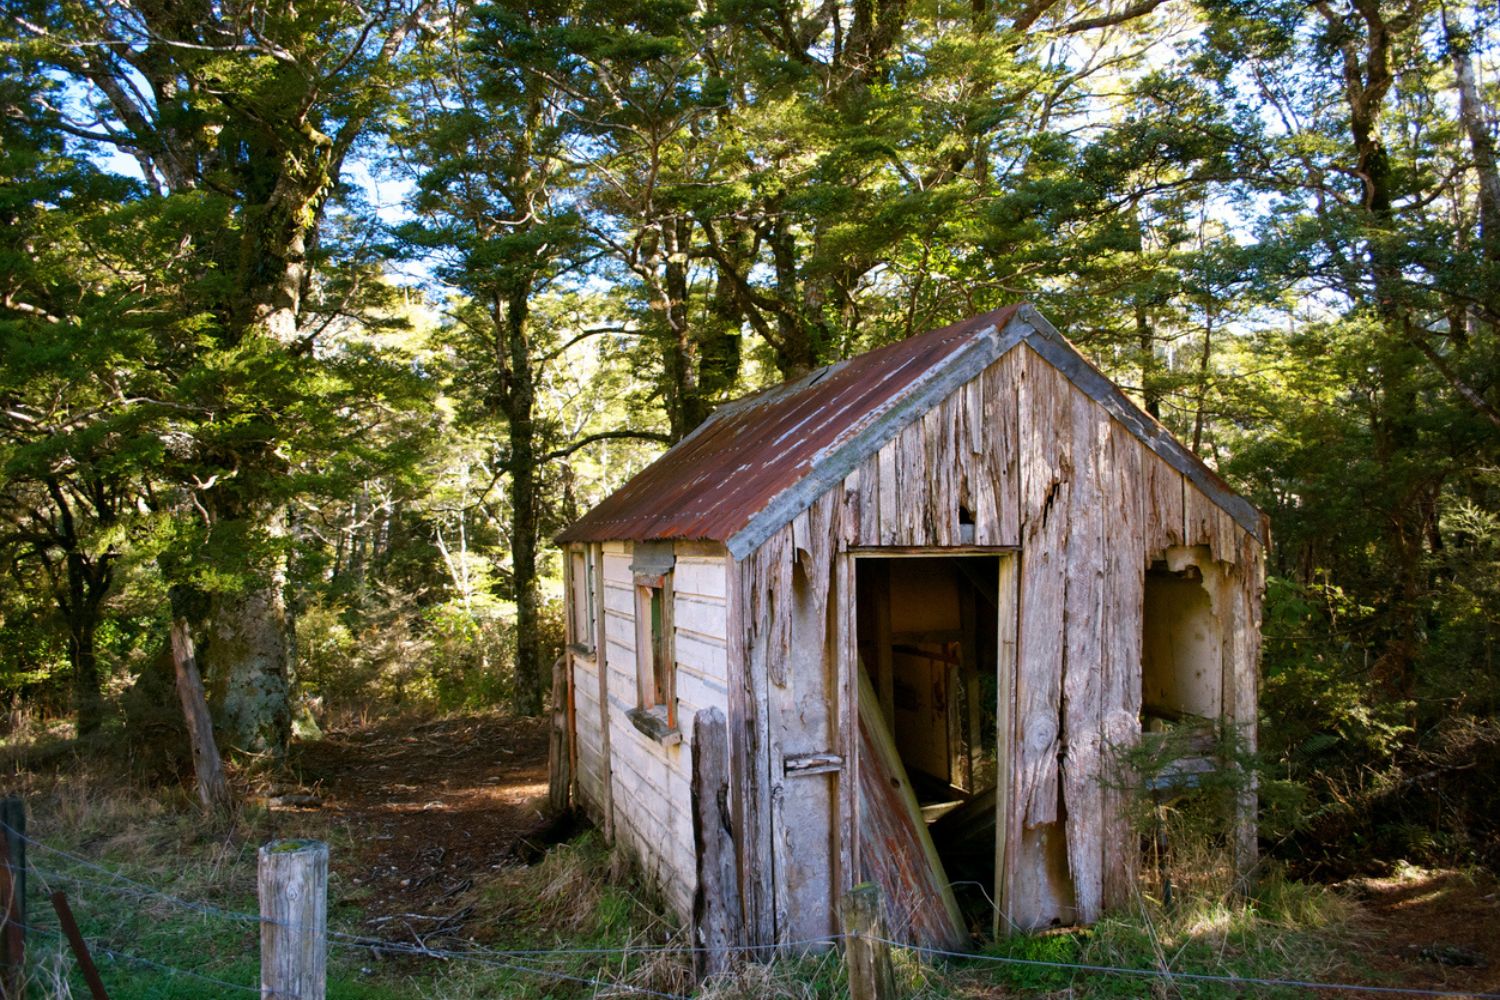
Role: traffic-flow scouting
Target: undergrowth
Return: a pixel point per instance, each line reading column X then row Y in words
column 591, row 924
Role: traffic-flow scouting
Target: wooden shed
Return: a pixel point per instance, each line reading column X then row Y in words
column 935, row 590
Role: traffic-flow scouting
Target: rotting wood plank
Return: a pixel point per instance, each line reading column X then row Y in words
column 1045, row 482
column 846, row 720
column 1206, row 523
column 1083, row 624
column 601, row 647
column 889, row 485
column 849, row 517
column 897, row 853
column 1007, row 816
column 717, row 929
column 932, row 495
column 748, row 767
column 869, row 502
column 1241, row 658
column 803, row 802
column 1002, row 422
column 1162, row 489
column 1124, row 590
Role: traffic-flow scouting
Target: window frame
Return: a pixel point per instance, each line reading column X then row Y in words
column 655, row 659
column 585, row 615
column 655, row 712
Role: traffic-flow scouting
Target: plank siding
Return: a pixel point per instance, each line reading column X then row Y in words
column 1042, row 891
column 649, row 783
column 1125, row 558
column 1082, row 768
column 801, row 710
column 1163, row 509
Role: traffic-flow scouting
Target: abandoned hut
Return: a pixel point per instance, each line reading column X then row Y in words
column 935, row 590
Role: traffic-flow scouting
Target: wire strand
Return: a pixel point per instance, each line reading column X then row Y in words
column 119, row 956
column 1206, row 977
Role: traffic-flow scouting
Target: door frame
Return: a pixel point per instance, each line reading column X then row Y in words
column 1007, row 820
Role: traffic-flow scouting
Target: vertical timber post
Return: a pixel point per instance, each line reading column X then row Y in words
column 559, row 759
column 866, row 955
column 293, row 920
column 717, row 928
column 13, row 940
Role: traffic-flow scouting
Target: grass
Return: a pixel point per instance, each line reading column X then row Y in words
column 581, row 895
column 129, row 856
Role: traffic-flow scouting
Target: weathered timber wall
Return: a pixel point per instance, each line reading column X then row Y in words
column 1037, row 465
column 791, row 586
column 649, row 784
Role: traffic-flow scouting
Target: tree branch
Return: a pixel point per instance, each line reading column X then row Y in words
column 606, row 436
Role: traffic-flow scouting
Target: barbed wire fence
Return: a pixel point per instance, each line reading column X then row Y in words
column 66, row 872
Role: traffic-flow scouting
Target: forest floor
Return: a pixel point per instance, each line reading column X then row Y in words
column 1428, row 928
column 440, row 805
column 433, row 807
column 424, row 818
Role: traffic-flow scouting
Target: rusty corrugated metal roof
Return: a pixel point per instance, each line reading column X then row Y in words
column 711, row 484
column 759, row 461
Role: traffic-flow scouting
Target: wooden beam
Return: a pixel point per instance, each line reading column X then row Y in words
column 293, row 883
column 718, row 930
column 1007, row 816
column 601, row 663
column 885, row 671
column 866, row 954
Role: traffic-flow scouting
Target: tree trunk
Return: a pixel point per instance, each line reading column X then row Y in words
column 1367, row 79
column 1471, row 112
column 87, row 585
column 87, row 701
column 250, row 666
column 1146, row 342
column 686, row 408
column 213, row 790
column 519, row 397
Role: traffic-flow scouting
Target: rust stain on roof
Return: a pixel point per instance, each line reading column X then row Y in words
column 713, row 482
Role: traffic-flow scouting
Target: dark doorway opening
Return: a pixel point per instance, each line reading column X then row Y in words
column 927, row 631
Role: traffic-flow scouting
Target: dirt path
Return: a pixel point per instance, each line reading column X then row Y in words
column 432, row 808
column 1431, row 929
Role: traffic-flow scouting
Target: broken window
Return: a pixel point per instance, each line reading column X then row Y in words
column 1181, row 642
column 581, row 569
column 656, row 706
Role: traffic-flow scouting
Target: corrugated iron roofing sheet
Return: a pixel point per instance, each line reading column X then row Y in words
column 712, row 483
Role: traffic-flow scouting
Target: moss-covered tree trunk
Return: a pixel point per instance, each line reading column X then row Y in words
column 251, row 657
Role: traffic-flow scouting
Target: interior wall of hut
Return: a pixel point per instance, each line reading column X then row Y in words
column 928, row 636
column 1182, row 670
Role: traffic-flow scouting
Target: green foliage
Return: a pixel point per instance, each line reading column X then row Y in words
column 629, row 213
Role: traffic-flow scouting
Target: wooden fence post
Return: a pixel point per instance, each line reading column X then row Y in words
column 294, row 920
column 866, row 955
column 80, row 947
column 13, row 892
column 717, row 928
column 559, row 761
